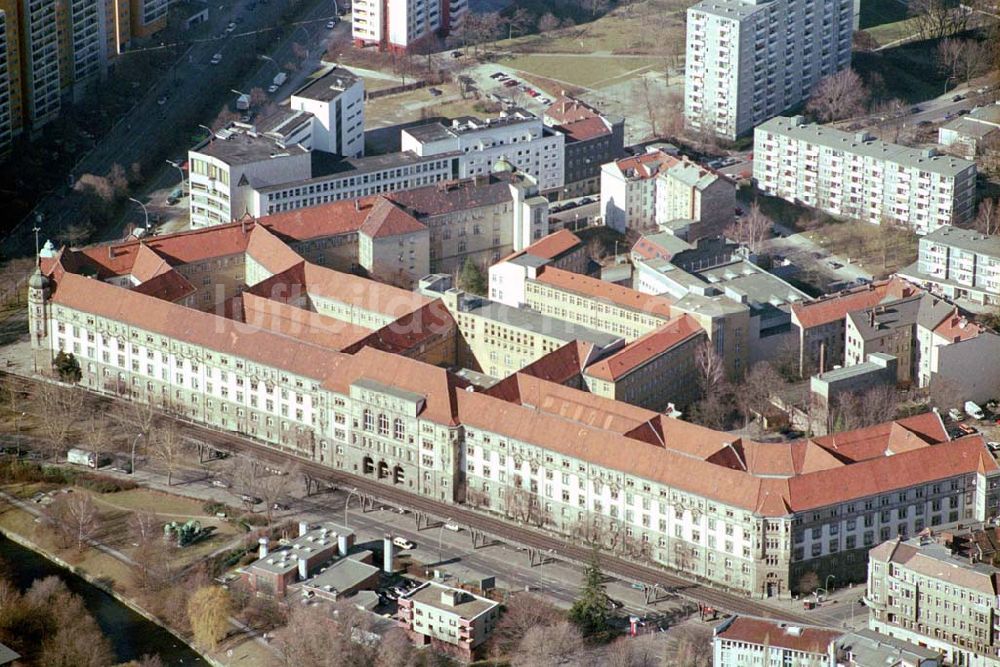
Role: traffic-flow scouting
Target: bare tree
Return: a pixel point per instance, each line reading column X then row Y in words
column 245, row 476
column 75, row 519
column 753, row 396
column 988, row 217
column 61, row 411
column 690, row 647
column 750, row 229
column 272, row 488
column 258, row 97
column 838, row 96
column 711, row 369
column 523, row 612
column 153, row 553
column 169, row 448
column 548, row 22
column 938, row 18
column 543, row 646
column 633, row 652
column 949, row 58
column 519, row 21
column 99, row 437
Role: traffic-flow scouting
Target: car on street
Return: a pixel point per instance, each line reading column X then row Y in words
column 498, row 75
column 956, row 414
column 510, row 83
column 331, row 24
column 272, row 89
column 220, row 484
column 958, row 98
column 162, row 100
column 453, row 527
column 456, row 54
column 962, row 112
column 217, row 58
column 403, row 543
column 965, row 429
column 231, row 27
column 993, row 445
column 435, row 92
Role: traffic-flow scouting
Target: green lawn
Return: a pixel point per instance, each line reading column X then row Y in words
column 880, row 12
column 593, row 72
column 908, row 71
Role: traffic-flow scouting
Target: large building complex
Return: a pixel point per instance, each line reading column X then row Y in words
column 921, row 592
column 857, row 176
column 402, row 25
column 960, row 264
column 515, row 139
column 353, row 374
column 748, row 60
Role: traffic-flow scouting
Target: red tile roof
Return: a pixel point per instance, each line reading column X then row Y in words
column 646, row 348
column 270, row 252
column 584, row 129
column 600, row 289
column 832, row 308
column 769, row 633
column 554, row 245
column 957, row 328
column 568, row 109
column 646, row 165
column 388, row 219
column 281, row 318
column 169, row 286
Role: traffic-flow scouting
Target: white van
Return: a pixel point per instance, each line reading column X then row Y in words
column 974, row 411
column 403, row 543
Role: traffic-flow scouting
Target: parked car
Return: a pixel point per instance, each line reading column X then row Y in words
column 331, row 24
column 958, row 98
column 993, row 445
column 965, row 429
column 403, row 543
column 498, row 75
column 435, row 92
column 973, row 410
column 456, row 54
column 220, row 484
column 217, row 58
column 509, row 83
column 454, row 527
column 956, row 414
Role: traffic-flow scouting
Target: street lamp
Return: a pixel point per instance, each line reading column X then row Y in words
column 348, row 502
column 211, row 133
column 134, row 442
column 272, row 61
column 827, row 582
column 440, row 531
column 181, row 171
column 145, row 213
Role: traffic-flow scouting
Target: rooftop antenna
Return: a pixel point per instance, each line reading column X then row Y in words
column 37, row 228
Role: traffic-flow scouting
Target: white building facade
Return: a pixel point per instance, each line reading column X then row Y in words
column 856, row 176
column 959, row 263
column 336, row 101
column 399, row 25
column 748, row 61
column 515, row 137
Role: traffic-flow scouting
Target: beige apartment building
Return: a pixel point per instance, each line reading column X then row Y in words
column 920, row 592
column 450, row 619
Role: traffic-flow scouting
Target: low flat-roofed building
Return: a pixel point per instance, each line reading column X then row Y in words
column 867, row 648
column 741, row 641
column 448, row 619
column 274, row 571
column 828, row 389
column 967, row 135
column 344, row 577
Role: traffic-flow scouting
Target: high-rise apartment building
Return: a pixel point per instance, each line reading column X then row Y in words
column 857, row 176
column 959, row 263
column 52, row 48
column 398, row 25
column 749, row 60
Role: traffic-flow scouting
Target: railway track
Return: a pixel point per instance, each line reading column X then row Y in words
column 493, row 526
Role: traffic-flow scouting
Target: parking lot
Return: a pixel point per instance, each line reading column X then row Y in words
column 507, row 85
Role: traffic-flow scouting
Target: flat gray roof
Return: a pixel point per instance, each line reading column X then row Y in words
column 342, row 575
column 328, row 86
column 373, row 385
column 730, row 9
column 758, row 285
column 524, row 318
column 353, row 166
column 242, row 148
column 874, row 648
column 964, row 239
column 470, row 607
column 847, row 372
column 892, row 315
column 823, row 135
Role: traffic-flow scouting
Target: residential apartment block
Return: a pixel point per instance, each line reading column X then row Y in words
column 920, row 592
column 857, row 176
column 591, row 141
column 748, row 61
column 960, row 264
column 401, row 25
column 654, row 188
column 516, row 139
column 449, row 619
column 350, row 373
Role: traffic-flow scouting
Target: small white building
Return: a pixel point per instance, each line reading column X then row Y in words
column 515, row 137
column 966, row 135
column 448, row 618
column 336, row 101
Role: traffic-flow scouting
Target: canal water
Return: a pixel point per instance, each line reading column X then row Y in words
column 131, row 635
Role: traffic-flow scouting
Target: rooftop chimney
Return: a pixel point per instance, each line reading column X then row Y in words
column 262, row 548
column 387, row 555
column 303, row 528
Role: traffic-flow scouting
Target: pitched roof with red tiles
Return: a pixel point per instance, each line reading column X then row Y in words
column 554, row 245
column 361, row 292
column 457, row 195
column 568, row 109
column 281, row 318
column 769, row 633
column 270, row 252
column 610, row 292
column 330, row 219
column 584, row 129
column 169, row 286
column 646, row 165
column 411, row 330
column 388, row 219
column 836, row 307
column 956, row 328
column 646, row 348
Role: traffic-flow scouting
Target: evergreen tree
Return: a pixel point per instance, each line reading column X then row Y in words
column 67, row 367
column 590, row 610
column 471, row 278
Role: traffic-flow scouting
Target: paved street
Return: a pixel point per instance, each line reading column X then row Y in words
column 190, row 76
